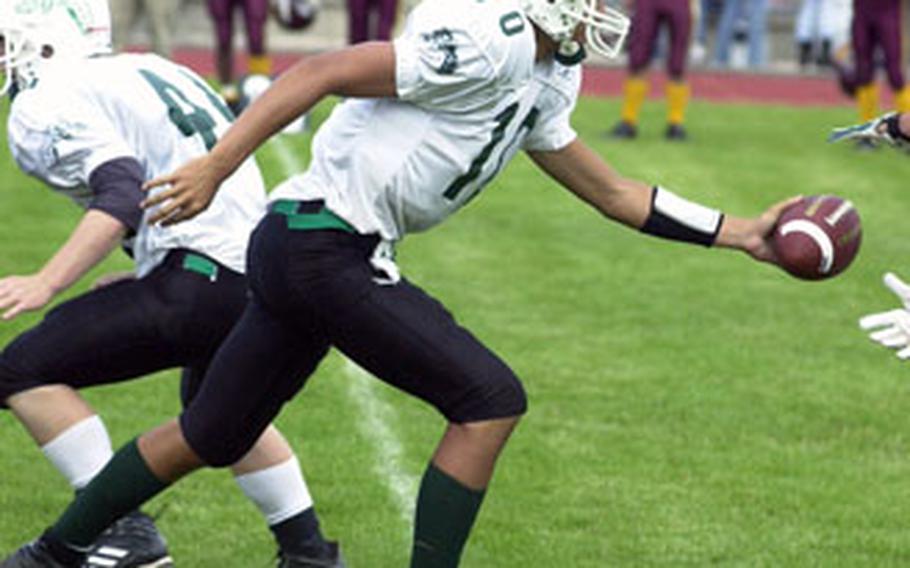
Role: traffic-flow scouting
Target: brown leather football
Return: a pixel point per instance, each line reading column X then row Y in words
column 818, row 237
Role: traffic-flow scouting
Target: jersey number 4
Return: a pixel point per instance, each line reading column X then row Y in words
column 190, row 118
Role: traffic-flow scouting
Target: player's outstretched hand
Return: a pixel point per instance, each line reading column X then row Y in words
column 191, row 189
column 892, row 328
column 875, row 130
column 758, row 232
column 19, row 294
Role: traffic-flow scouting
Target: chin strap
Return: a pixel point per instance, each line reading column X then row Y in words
column 570, row 53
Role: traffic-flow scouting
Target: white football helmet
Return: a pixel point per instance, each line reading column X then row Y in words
column 33, row 32
column 605, row 27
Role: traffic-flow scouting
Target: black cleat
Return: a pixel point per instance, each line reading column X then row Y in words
column 34, row 555
column 624, row 130
column 328, row 557
column 131, row 542
column 676, row 133
column 231, row 95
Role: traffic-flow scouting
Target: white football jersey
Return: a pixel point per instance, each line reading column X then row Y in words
column 470, row 95
column 143, row 107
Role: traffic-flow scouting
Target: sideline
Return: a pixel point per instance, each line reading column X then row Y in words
column 599, row 81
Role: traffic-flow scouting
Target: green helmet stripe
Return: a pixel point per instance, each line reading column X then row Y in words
column 76, row 19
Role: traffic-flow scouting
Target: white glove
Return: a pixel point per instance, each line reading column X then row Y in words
column 892, row 328
column 875, row 130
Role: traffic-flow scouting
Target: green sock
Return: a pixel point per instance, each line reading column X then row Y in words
column 125, row 483
column 446, row 510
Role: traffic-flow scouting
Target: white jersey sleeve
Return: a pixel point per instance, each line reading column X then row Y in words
column 61, row 148
column 446, row 61
column 553, row 130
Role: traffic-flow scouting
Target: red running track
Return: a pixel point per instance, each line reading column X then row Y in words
column 732, row 87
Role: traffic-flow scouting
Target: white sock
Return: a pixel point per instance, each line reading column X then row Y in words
column 279, row 491
column 81, row 451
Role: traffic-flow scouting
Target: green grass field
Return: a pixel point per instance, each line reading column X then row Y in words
column 688, row 407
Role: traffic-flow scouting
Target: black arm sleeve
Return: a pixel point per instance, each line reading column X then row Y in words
column 679, row 220
column 117, row 190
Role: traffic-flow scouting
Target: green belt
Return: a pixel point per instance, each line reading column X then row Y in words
column 322, row 219
column 199, row 264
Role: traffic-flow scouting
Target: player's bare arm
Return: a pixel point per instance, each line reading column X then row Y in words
column 93, row 239
column 582, row 171
column 364, row 70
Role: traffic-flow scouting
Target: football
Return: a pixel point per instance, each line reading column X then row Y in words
column 817, row 237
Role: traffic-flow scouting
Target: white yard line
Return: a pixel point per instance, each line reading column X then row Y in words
column 376, row 415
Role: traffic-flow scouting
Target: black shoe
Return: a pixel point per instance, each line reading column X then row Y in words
column 34, row 555
column 131, row 542
column 328, row 557
column 624, row 130
column 676, row 133
column 231, row 95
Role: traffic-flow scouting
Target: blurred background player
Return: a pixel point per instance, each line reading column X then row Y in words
column 742, row 20
column 94, row 126
column 292, row 16
column 255, row 15
column 371, row 20
column 159, row 17
column 706, row 19
column 647, row 19
column 877, row 26
column 822, row 29
column 812, row 44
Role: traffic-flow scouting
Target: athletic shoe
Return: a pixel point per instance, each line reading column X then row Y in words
column 231, row 95
column 676, row 133
column 329, row 557
column 33, row 555
column 624, row 130
column 131, row 542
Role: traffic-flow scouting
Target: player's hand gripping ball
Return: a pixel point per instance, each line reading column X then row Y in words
column 817, row 237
